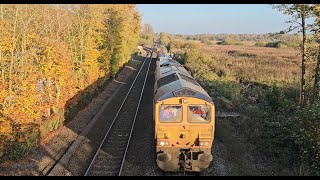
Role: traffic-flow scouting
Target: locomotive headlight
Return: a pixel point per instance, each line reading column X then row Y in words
column 163, row 143
column 204, row 143
column 185, row 101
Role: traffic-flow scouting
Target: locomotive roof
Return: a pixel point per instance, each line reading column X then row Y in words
column 173, row 80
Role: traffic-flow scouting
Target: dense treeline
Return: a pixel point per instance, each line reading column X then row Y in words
column 49, row 54
column 237, row 37
column 268, row 40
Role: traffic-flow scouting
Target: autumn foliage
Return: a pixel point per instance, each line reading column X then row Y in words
column 50, row 53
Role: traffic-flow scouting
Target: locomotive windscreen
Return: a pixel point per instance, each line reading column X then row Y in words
column 170, row 113
column 199, row 113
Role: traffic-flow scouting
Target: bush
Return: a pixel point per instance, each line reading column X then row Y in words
column 181, row 58
column 282, row 44
column 306, row 122
column 191, row 45
column 275, row 98
column 260, row 44
column 24, row 138
column 271, row 44
column 208, row 42
column 176, row 43
column 230, row 41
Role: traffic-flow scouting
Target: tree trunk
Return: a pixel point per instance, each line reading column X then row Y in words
column 2, row 66
column 302, row 88
column 81, row 41
column 12, row 52
column 58, row 30
column 1, row 12
column 316, row 79
column 24, row 59
column 1, row 60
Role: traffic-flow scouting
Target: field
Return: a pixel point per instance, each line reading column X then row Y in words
column 256, row 64
column 262, row 84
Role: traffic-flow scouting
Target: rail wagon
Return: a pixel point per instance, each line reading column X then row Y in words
column 184, row 116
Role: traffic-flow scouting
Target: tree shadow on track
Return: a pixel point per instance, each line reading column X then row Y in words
column 26, row 143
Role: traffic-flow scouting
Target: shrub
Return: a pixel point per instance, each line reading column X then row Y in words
column 282, row 45
column 208, row 42
column 275, row 98
column 181, row 58
column 260, row 44
column 191, row 45
column 230, row 41
column 307, row 133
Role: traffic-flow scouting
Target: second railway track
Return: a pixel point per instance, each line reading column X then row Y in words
column 110, row 157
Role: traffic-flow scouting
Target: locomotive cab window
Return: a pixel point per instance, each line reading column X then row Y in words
column 170, row 113
column 199, row 113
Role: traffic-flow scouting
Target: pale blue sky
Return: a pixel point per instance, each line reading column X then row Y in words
column 213, row 18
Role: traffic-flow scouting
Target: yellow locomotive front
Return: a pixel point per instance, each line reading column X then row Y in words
column 184, row 132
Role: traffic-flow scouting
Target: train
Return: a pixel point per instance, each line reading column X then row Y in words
column 184, row 119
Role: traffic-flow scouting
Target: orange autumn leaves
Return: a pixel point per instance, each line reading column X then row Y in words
column 49, row 53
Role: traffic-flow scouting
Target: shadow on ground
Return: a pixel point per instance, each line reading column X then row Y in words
column 25, row 140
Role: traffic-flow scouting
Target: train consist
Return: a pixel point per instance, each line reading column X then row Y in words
column 184, row 116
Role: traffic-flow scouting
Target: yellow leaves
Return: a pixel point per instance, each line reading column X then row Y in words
column 90, row 65
column 57, row 54
column 317, row 10
column 5, row 43
column 5, row 127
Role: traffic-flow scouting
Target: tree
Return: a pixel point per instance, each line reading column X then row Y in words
column 51, row 55
column 317, row 69
column 316, row 78
column 148, row 29
column 147, row 35
column 164, row 39
column 299, row 13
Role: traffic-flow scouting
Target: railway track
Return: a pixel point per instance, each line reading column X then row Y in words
column 110, row 156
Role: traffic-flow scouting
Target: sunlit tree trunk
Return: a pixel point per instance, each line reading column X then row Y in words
column 316, row 79
column 1, row 56
column 299, row 12
column 303, row 60
column 12, row 51
column 58, row 30
column 1, row 60
column 1, row 12
column 81, row 41
column 2, row 66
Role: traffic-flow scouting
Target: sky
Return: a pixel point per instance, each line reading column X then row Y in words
column 213, row 18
